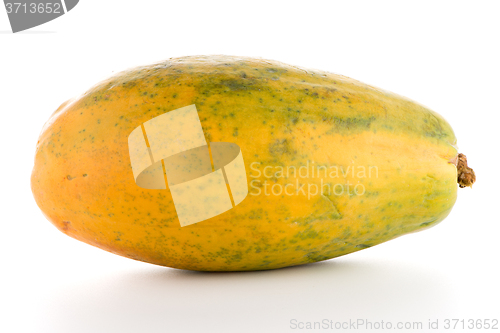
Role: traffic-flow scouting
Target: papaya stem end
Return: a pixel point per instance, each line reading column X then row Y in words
column 465, row 175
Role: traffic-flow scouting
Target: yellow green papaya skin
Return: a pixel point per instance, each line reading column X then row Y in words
column 332, row 165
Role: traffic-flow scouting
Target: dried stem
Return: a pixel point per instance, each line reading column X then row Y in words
column 465, row 175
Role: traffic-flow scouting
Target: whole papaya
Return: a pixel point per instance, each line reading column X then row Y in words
column 220, row 163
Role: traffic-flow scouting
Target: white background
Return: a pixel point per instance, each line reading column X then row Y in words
column 442, row 54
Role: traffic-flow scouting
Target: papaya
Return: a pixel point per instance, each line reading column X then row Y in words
column 222, row 163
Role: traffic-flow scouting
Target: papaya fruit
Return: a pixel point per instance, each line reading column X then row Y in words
column 221, row 163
